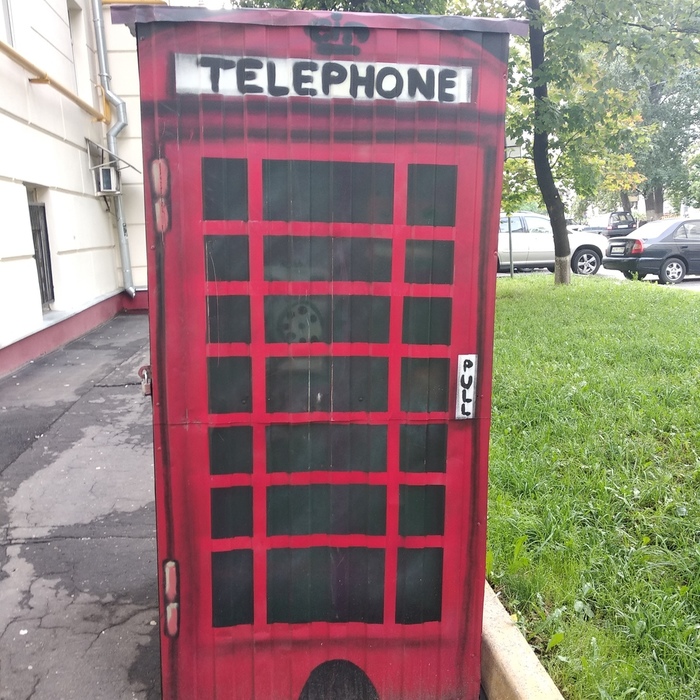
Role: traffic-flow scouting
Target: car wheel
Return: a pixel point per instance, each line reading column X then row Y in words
column 672, row 271
column 585, row 261
column 633, row 275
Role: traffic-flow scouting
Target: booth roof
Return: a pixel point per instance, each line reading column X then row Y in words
column 144, row 14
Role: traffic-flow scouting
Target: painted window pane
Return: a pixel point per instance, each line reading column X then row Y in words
column 429, row 262
column 309, row 319
column 427, row 321
column 423, row 448
column 419, row 586
column 308, row 190
column 326, row 447
column 325, row 259
column 304, row 384
column 228, row 319
column 229, row 384
column 231, row 450
column 226, row 258
column 421, row 510
column 232, row 512
column 325, row 584
column 225, row 189
column 432, row 195
column 343, row 509
column 232, row 588
column 424, row 384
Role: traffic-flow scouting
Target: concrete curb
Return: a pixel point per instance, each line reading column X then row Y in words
column 509, row 668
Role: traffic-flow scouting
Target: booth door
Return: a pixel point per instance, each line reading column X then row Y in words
column 319, row 309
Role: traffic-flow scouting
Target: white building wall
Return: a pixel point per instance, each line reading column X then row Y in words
column 123, row 64
column 43, row 154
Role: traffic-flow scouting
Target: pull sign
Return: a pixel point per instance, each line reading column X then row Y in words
column 466, row 387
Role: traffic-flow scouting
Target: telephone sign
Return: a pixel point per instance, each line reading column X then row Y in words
column 322, row 211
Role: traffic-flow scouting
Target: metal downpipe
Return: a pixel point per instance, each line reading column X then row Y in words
column 121, row 122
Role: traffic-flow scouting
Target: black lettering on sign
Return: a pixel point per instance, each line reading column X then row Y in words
column 417, row 83
column 237, row 76
column 215, row 66
column 446, row 83
column 302, row 76
column 246, row 74
column 394, row 75
column 272, row 88
column 366, row 80
column 332, row 74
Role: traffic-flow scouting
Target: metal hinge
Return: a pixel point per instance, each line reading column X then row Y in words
column 146, row 380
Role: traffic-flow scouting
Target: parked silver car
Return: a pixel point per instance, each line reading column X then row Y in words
column 533, row 245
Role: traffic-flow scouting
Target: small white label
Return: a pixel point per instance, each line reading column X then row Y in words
column 466, row 387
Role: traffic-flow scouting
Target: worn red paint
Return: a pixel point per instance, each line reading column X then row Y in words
column 322, row 224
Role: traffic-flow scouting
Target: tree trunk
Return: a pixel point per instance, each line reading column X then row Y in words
column 626, row 204
column 540, row 149
column 654, row 200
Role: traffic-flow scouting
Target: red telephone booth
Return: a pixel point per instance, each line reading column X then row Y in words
column 322, row 212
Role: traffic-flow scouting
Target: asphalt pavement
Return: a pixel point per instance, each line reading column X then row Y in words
column 78, row 591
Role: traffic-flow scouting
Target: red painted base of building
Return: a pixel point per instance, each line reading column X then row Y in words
column 58, row 334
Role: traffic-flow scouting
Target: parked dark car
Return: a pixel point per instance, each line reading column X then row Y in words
column 615, row 223
column 669, row 248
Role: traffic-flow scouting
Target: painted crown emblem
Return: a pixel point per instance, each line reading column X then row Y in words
column 332, row 39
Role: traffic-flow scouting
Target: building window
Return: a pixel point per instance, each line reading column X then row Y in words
column 42, row 254
column 6, row 22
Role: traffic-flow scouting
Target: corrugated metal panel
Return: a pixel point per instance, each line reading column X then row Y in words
column 322, row 223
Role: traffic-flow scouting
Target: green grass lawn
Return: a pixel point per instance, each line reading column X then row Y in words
column 594, row 495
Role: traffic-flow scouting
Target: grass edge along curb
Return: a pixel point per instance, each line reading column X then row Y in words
column 509, row 668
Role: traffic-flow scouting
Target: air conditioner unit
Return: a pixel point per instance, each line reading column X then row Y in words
column 107, row 179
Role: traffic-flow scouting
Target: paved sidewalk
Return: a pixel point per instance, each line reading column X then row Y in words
column 78, row 598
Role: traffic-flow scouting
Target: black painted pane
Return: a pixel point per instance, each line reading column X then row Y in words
column 424, row 384
column 298, row 258
column 298, row 319
column 226, row 258
column 421, row 510
column 423, row 448
column 229, row 384
column 360, row 383
column 427, row 321
column 228, row 319
column 347, row 509
column 361, row 319
column 304, row 319
column 302, row 190
column 325, row 584
column 231, row 450
column 225, row 189
column 297, row 385
column 232, row 512
column 419, row 586
column 432, row 195
column 326, row 447
column 362, row 259
column 232, row 588
column 429, row 262
column 322, row 258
